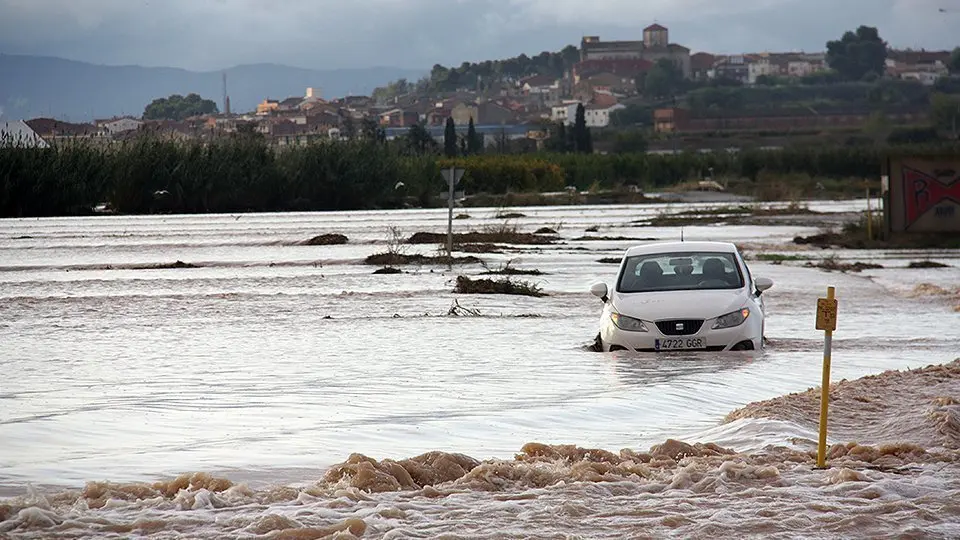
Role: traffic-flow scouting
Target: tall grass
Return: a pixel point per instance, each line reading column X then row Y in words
column 242, row 173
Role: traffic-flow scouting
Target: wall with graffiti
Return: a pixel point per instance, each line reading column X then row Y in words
column 924, row 195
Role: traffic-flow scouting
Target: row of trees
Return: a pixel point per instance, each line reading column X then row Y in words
column 479, row 74
column 482, row 75
column 454, row 145
column 243, row 173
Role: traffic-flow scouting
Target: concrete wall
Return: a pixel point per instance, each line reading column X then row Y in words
column 923, row 194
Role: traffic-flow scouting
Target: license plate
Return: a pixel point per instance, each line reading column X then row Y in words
column 679, row 344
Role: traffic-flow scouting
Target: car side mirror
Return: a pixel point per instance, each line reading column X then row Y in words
column 763, row 284
column 600, row 291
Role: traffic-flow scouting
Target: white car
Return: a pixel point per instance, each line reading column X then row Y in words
column 682, row 296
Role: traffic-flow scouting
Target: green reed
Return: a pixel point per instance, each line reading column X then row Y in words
column 152, row 174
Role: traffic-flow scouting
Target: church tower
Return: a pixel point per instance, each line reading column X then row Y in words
column 656, row 36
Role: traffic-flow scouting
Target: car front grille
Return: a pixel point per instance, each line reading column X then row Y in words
column 680, row 327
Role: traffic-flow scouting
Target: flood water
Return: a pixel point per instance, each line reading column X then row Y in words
column 266, row 361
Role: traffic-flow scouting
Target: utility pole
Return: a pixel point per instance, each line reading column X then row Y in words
column 226, row 97
column 452, row 176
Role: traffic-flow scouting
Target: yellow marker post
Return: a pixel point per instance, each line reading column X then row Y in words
column 826, row 321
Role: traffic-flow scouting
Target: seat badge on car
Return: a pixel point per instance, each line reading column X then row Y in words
column 679, row 326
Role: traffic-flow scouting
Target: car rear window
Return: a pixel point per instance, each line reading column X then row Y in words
column 680, row 272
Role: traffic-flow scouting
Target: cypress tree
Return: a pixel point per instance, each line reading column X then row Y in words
column 450, row 139
column 474, row 142
column 581, row 134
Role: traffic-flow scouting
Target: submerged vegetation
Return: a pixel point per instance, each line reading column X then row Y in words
column 466, row 285
column 507, row 269
column 858, row 235
column 329, row 239
column 777, row 258
column 403, row 259
column 831, row 264
column 151, row 174
column 495, row 235
column 927, row 264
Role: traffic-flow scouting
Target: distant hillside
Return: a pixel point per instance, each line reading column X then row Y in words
column 34, row 86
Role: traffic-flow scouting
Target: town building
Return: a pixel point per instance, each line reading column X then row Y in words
column 735, row 67
column 924, row 66
column 610, row 83
column 19, row 134
column 701, row 66
column 596, row 115
column 52, row 130
column 654, row 46
column 267, row 107
column 763, row 65
column 623, row 67
column 806, row 64
column 543, row 88
column 399, row 118
column 118, row 125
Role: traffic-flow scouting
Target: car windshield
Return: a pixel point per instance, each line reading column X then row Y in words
column 680, row 272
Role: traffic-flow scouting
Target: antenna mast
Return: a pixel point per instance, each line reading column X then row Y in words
column 226, row 97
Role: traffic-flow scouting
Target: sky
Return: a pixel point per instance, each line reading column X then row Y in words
column 326, row 34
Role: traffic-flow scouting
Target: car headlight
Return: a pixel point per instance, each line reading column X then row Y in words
column 627, row 323
column 732, row 319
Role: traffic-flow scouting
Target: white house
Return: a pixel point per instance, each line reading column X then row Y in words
column 539, row 84
column 19, row 134
column 762, row 66
column 565, row 112
column 119, row 125
column 596, row 116
column 926, row 71
column 927, row 78
column 802, row 68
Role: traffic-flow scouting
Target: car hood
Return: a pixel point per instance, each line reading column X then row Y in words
column 698, row 304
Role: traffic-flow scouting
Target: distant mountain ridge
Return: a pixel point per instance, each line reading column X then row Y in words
column 41, row 86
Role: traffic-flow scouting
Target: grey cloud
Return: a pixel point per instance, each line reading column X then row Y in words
column 212, row 34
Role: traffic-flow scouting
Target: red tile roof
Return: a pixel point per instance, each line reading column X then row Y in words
column 50, row 126
column 701, row 60
column 603, row 101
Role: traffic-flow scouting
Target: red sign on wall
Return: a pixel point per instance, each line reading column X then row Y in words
column 923, row 191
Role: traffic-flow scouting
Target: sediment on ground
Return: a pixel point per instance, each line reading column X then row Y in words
column 902, row 428
column 920, row 406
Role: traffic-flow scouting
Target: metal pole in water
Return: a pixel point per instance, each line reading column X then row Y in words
column 826, row 321
column 452, row 179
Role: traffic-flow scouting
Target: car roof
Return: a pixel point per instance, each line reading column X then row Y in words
column 681, row 247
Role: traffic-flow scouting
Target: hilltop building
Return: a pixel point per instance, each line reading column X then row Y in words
column 654, row 46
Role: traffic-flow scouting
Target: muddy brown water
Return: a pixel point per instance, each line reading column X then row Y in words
column 225, row 396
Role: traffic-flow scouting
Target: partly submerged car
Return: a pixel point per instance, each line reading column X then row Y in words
column 682, row 296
